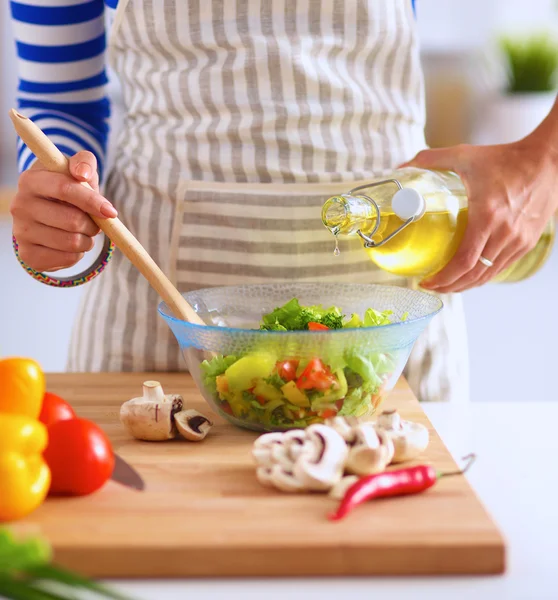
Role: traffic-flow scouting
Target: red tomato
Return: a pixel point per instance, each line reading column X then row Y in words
column 79, row 456
column 328, row 413
column 312, row 326
column 316, row 376
column 227, row 409
column 287, row 369
column 55, row 409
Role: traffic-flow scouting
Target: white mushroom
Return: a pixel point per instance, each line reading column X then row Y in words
column 316, row 458
column 297, row 444
column 344, row 426
column 261, row 450
column 298, row 460
column 150, row 417
column 321, row 472
column 371, row 453
column 409, row 438
column 280, row 456
column 285, row 480
column 339, row 489
column 264, row 475
column 192, row 425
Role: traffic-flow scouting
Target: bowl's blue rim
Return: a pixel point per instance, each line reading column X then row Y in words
column 261, row 332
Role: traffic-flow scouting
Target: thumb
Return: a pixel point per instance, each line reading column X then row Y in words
column 441, row 159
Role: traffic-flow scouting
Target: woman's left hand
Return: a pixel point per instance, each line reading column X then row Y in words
column 512, row 192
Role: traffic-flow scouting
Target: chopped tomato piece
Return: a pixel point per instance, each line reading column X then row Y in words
column 316, row 376
column 339, row 403
column 222, row 384
column 287, row 369
column 328, row 413
column 225, row 407
column 261, row 400
column 313, row 326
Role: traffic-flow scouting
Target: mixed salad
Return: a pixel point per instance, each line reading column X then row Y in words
column 288, row 391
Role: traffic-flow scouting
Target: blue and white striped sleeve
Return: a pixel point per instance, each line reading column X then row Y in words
column 62, row 77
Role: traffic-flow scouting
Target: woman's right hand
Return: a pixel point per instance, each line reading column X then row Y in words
column 50, row 211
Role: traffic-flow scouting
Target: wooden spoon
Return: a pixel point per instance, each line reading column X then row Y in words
column 53, row 160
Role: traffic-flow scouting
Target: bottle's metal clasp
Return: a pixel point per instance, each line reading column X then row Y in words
column 368, row 241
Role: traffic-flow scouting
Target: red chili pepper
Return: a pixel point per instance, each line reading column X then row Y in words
column 393, row 483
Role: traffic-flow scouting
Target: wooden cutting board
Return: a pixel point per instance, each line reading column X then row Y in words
column 203, row 513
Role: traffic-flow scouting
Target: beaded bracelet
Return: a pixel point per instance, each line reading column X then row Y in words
column 73, row 281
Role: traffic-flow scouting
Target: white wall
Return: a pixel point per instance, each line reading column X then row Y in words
column 511, row 339
column 8, row 82
column 35, row 320
column 462, row 25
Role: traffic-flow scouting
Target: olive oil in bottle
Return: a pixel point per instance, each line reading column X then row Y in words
column 413, row 221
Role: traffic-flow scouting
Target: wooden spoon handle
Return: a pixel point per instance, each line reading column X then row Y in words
column 53, row 160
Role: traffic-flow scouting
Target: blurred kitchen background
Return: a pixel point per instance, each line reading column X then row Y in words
column 512, row 328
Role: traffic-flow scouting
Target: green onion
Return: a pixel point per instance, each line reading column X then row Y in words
column 26, row 573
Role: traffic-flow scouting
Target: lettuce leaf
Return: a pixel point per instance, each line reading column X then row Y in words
column 363, row 366
column 373, row 318
column 355, row 403
column 213, row 368
column 354, row 322
column 294, row 317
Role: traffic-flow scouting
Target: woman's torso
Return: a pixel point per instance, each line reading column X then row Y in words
column 282, row 91
column 227, row 106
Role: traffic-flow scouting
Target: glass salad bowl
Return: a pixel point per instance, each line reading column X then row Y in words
column 286, row 355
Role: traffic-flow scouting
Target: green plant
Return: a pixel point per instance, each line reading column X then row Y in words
column 532, row 62
column 26, row 573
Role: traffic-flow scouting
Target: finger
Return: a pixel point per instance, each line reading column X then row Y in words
column 507, row 258
column 55, row 239
column 497, row 244
column 477, row 234
column 53, row 214
column 46, row 259
column 64, row 188
column 83, row 166
column 436, row 158
column 470, row 280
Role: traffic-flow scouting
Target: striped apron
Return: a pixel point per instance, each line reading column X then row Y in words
column 241, row 117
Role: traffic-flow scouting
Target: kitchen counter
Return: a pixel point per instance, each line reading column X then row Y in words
column 516, row 445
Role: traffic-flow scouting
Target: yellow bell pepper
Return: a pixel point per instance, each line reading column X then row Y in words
column 22, row 387
column 24, row 475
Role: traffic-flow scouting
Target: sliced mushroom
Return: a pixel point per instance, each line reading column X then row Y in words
column 262, row 448
column 344, row 427
column 298, row 444
column 285, row 480
column 280, row 456
column 264, row 475
column 150, row 417
column 371, row 453
column 192, row 425
column 321, row 472
column 409, row 438
column 340, row 488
